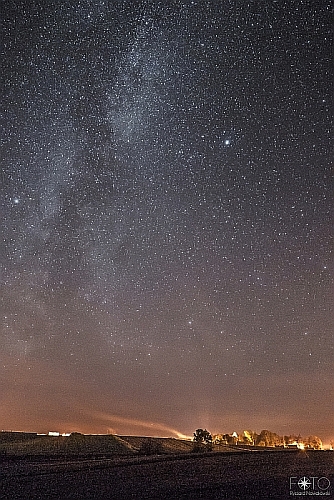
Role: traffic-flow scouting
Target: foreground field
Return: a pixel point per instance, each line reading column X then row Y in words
column 243, row 475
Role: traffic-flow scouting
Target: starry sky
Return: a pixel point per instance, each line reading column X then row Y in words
column 166, row 217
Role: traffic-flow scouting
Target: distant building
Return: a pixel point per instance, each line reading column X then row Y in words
column 293, row 446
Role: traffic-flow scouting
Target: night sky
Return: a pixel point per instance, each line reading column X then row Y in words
column 166, row 217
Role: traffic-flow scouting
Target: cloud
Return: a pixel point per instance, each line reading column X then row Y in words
column 140, row 425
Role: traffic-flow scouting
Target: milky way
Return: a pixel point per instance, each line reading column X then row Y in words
column 166, row 216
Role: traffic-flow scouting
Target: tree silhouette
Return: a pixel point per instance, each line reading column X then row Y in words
column 202, row 440
column 202, row 436
column 314, row 442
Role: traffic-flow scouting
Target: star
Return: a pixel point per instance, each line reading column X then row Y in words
column 166, row 177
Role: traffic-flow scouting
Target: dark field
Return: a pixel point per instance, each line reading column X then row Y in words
column 243, row 475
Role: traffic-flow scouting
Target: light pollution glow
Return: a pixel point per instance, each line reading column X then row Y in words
column 153, row 428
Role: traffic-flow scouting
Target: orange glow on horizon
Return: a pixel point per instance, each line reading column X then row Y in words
column 140, row 424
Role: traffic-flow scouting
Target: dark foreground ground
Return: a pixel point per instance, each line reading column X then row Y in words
column 246, row 475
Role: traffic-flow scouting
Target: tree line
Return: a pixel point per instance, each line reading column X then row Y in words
column 251, row 438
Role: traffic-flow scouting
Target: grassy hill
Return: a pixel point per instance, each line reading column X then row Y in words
column 75, row 444
column 161, row 445
column 21, row 444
